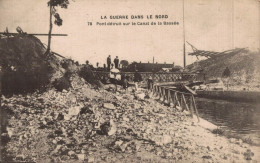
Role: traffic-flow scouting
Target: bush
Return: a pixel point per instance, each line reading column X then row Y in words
column 248, row 140
column 218, row 131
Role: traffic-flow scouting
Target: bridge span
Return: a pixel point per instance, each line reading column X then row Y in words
column 157, row 77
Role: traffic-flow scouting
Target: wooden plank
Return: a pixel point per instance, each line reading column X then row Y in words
column 191, row 106
column 35, row 34
column 159, row 92
column 176, row 98
column 169, row 96
column 58, row 55
column 185, row 103
column 190, row 90
column 195, row 108
column 164, row 94
column 173, row 99
column 182, row 103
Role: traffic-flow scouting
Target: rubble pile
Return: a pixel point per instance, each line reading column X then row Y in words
column 82, row 124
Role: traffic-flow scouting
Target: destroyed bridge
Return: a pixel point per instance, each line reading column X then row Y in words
column 157, row 77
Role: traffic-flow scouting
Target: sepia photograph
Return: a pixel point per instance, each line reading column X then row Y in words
column 130, row 81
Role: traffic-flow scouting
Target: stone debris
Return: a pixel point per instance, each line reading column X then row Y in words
column 82, row 124
column 81, row 157
column 112, row 130
column 109, row 106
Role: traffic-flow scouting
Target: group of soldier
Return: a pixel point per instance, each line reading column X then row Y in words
column 116, row 78
column 109, row 62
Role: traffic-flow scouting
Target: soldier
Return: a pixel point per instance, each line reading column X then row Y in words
column 125, row 83
column 137, row 79
column 108, row 62
column 149, row 83
column 116, row 61
column 226, row 73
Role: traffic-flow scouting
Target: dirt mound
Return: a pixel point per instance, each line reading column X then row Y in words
column 24, row 53
column 244, row 68
column 25, row 67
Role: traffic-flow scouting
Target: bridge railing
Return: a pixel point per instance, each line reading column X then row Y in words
column 157, row 77
column 185, row 101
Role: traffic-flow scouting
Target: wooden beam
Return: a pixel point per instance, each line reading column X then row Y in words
column 160, row 92
column 176, row 97
column 164, row 94
column 185, row 103
column 195, row 108
column 191, row 106
column 35, row 34
column 58, row 55
column 182, row 103
column 169, row 96
column 157, row 91
column 173, row 99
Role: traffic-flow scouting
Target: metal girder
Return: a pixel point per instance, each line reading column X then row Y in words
column 197, row 52
column 211, row 53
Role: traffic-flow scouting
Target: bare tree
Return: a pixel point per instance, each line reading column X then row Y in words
column 58, row 21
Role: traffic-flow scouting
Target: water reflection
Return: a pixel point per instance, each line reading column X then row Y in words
column 237, row 117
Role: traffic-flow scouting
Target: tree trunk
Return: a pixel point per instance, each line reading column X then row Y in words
column 50, row 30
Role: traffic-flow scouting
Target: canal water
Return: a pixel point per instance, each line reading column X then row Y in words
column 239, row 118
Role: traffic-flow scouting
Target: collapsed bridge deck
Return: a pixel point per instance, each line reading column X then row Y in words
column 157, row 77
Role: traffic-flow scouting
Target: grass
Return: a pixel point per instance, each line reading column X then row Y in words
column 229, row 135
column 218, row 131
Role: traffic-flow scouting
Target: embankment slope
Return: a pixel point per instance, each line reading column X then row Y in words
column 244, row 68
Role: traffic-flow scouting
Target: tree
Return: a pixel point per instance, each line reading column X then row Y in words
column 124, row 63
column 58, row 21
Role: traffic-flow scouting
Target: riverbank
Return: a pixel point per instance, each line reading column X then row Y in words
column 235, row 118
column 245, row 96
column 84, row 124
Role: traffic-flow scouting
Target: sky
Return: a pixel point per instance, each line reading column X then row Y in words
column 214, row 25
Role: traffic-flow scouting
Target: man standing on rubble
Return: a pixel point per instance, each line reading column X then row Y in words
column 137, row 79
column 108, row 62
column 116, row 61
column 149, row 83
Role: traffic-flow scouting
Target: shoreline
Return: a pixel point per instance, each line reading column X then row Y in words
column 87, row 125
column 242, row 96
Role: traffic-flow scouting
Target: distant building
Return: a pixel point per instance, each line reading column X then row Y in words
column 149, row 67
